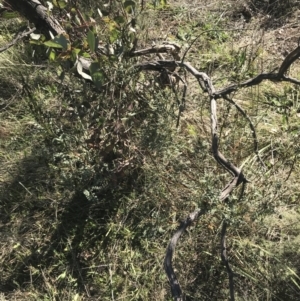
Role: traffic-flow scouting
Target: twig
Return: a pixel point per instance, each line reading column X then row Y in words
column 24, row 187
column 18, row 37
column 225, row 260
column 290, row 172
column 111, row 283
column 255, row 140
column 182, row 104
column 172, row 48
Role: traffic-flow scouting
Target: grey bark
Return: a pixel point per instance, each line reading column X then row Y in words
column 38, row 14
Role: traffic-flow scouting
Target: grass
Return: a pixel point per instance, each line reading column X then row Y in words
column 93, row 183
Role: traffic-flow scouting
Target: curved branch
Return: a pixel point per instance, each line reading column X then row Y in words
column 254, row 136
column 248, row 83
column 207, row 86
column 288, row 61
column 291, row 80
column 166, row 47
column 175, row 287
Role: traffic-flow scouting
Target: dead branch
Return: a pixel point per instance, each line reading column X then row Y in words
column 175, row 287
column 288, row 61
column 280, row 76
column 207, row 86
column 38, row 14
column 248, row 83
column 18, row 37
column 167, row 47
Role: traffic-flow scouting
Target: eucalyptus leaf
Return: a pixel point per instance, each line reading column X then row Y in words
column 53, row 44
column 62, row 40
column 59, row 3
column 80, row 71
column 52, row 55
column 97, row 74
column 91, row 41
column 114, row 35
column 35, row 36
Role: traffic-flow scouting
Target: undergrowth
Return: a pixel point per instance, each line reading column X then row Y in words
column 94, row 182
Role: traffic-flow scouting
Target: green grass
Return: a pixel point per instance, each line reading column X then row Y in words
column 94, row 183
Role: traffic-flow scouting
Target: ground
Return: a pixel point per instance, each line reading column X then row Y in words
column 94, row 184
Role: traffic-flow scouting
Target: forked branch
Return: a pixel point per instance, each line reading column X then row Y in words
column 279, row 76
column 238, row 176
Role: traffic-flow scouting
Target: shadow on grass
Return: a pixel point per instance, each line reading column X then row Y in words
column 43, row 238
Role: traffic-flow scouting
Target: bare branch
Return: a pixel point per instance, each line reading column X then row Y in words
column 175, row 287
column 288, row 61
column 35, row 12
column 172, row 48
column 18, row 37
column 207, row 86
column 215, row 148
column 291, row 80
column 276, row 77
column 248, row 83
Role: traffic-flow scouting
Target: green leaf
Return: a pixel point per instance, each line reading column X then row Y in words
column 129, row 6
column 32, row 42
column 62, row 40
column 163, row 3
column 113, row 35
column 58, row 42
column 119, row 20
column 97, row 74
column 59, row 3
column 53, row 44
column 52, row 55
column 85, row 54
column 75, row 53
column 91, row 41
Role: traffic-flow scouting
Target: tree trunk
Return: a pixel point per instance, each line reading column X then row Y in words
column 38, row 14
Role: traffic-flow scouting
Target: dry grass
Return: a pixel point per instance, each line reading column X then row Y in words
column 74, row 229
